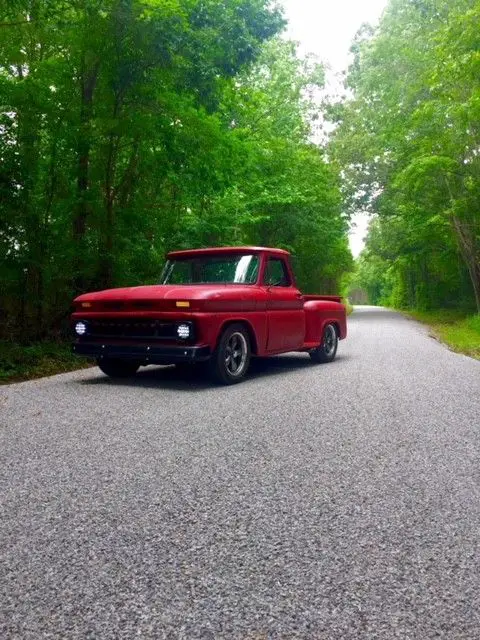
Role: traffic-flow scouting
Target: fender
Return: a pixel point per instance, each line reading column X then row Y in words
column 319, row 313
column 256, row 322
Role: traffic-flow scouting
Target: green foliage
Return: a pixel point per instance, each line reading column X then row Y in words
column 131, row 127
column 20, row 362
column 408, row 145
column 473, row 323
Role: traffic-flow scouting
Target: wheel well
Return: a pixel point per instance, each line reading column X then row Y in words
column 248, row 327
column 335, row 324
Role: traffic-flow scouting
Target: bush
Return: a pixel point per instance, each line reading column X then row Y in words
column 21, row 362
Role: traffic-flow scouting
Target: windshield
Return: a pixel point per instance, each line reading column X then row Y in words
column 210, row 269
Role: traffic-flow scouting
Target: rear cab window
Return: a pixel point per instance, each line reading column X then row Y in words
column 276, row 273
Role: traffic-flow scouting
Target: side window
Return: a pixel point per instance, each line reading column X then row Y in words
column 276, row 274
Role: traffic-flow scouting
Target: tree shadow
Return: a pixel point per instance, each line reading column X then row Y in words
column 197, row 378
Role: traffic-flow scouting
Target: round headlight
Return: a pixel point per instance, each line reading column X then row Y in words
column 80, row 328
column 183, row 331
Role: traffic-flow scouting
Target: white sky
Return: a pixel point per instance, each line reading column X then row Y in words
column 327, row 28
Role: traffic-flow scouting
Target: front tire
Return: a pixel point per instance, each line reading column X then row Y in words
column 116, row 368
column 327, row 351
column 231, row 358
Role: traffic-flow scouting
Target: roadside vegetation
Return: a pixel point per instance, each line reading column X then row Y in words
column 24, row 362
column 407, row 142
column 134, row 127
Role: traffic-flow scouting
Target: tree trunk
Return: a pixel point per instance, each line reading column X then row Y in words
column 107, row 260
column 470, row 252
column 87, row 88
column 29, row 137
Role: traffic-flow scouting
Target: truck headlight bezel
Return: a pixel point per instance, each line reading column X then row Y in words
column 81, row 328
column 184, row 330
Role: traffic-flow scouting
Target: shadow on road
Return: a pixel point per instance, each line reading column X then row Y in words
column 197, row 379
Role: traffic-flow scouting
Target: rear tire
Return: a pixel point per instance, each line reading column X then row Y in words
column 116, row 368
column 327, row 351
column 231, row 359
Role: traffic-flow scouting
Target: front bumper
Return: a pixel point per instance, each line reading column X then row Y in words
column 151, row 354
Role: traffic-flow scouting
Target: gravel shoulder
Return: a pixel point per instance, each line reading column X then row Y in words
column 328, row 501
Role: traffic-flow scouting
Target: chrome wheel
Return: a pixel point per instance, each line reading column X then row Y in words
column 236, row 352
column 329, row 340
column 327, row 351
column 230, row 361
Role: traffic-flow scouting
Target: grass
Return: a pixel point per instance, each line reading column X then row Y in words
column 456, row 329
column 20, row 362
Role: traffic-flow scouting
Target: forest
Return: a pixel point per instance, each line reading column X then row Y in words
column 408, row 142
column 132, row 127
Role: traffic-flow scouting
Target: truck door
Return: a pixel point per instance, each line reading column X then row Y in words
column 285, row 314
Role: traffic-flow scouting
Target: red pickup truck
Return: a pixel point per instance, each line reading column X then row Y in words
column 219, row 306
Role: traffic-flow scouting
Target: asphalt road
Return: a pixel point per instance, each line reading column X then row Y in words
column 311, row 501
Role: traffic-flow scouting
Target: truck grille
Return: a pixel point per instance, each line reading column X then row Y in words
column 141, row 329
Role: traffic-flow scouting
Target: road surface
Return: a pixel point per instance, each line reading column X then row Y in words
column 311, row 501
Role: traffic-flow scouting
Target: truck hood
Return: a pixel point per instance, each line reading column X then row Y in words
column 165, row 297
column 169, row 292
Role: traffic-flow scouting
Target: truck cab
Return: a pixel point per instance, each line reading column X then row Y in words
column 219, row 306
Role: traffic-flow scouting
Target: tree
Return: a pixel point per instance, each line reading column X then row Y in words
column 99, row 100
column 408, row 140
column 131, row 127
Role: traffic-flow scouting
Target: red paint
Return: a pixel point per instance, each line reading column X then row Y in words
column 279, row 318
